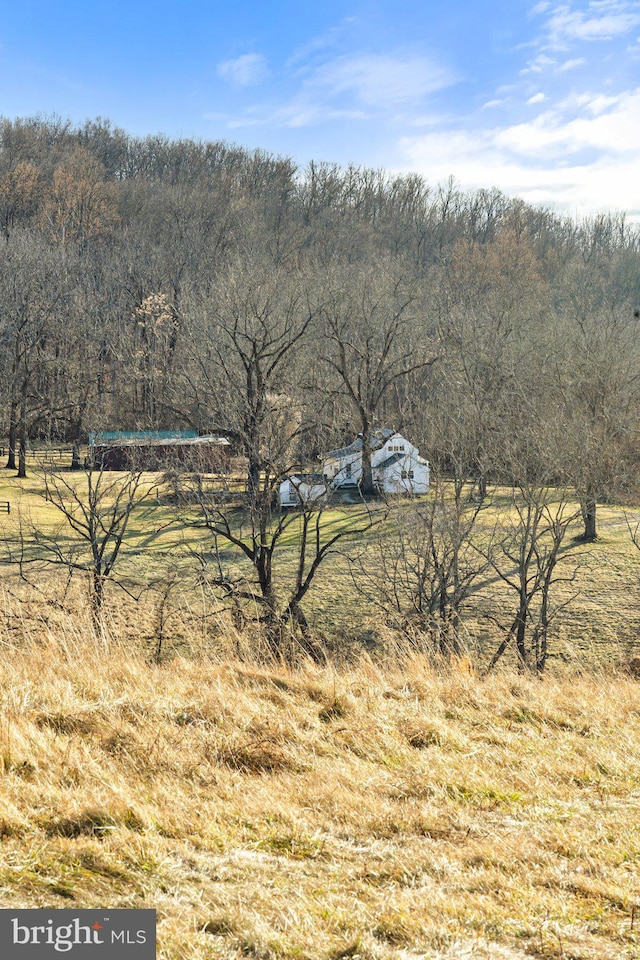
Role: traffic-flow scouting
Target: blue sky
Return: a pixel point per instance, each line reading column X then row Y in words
column 541, row 99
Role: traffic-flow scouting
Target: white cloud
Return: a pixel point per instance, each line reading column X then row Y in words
column 571, row 64
column 323, row 42
column 356, row 87
column 299, row 111
column 583, row 161
column 244, row 71
column 579, row 151
column 598, row 104
column 601, row 20
column 576, row 152
column 543, row 63
column 574, row 188
column 609, row 125
column 382, row 81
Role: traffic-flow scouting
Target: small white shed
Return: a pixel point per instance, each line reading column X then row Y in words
column 300, row 489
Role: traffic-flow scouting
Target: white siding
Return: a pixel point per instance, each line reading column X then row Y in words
column 296, row 492
column 397, row 467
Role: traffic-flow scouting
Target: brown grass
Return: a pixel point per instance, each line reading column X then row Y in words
column 373, row 812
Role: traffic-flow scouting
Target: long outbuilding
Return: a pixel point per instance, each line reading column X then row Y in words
column 159, row 450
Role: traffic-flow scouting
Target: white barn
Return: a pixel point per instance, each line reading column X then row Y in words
column 396, row 464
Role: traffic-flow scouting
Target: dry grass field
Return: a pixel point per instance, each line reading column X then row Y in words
column 379, row 811
column 373, row 808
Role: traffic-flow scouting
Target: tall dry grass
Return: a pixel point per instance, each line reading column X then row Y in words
column 378, row 810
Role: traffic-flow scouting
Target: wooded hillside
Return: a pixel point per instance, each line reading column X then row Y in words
column 139, row 275
column 164, row 284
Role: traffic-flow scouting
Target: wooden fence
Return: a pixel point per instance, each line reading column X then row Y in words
column 52, row 455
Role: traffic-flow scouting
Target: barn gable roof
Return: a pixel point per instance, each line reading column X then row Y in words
column 378, row 439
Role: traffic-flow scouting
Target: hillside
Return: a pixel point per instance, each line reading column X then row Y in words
column 375, row 812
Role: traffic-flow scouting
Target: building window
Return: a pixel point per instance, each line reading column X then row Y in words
column 348, row 470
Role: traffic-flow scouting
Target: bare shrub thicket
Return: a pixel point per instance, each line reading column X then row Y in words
column 423, row 572
column 262, row 561
column 530, row 555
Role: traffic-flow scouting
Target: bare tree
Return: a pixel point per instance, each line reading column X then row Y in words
column 492, row 301
column 249, row 356
column 527, row 547
column 265, row 560
column 96, row 509
column 599, row 390
column 19, row 190
column 33, row 288
column 373, row 342
column 79, row 205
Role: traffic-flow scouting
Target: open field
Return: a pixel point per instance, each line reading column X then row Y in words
column 372, row 809
column 379, row 813
column 164, row 558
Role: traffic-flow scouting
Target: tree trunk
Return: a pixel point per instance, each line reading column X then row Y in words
column 542, row 630
column 253, row 476
column 13, row 436
column 307, row 641
column 508, row 637
column 367, row 486
column 273, row 631
column 588, row 508
column 521, row 637
column 252, row 430
column 22, row 448
column 76, row 463
column 541, row 647
column 273, row 623
column 97, row 597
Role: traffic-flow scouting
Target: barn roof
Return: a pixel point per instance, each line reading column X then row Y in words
column 104, row 437
column 207, row 441
column 378, row 438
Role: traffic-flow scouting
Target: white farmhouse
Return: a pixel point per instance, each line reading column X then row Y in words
column 396, row 464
